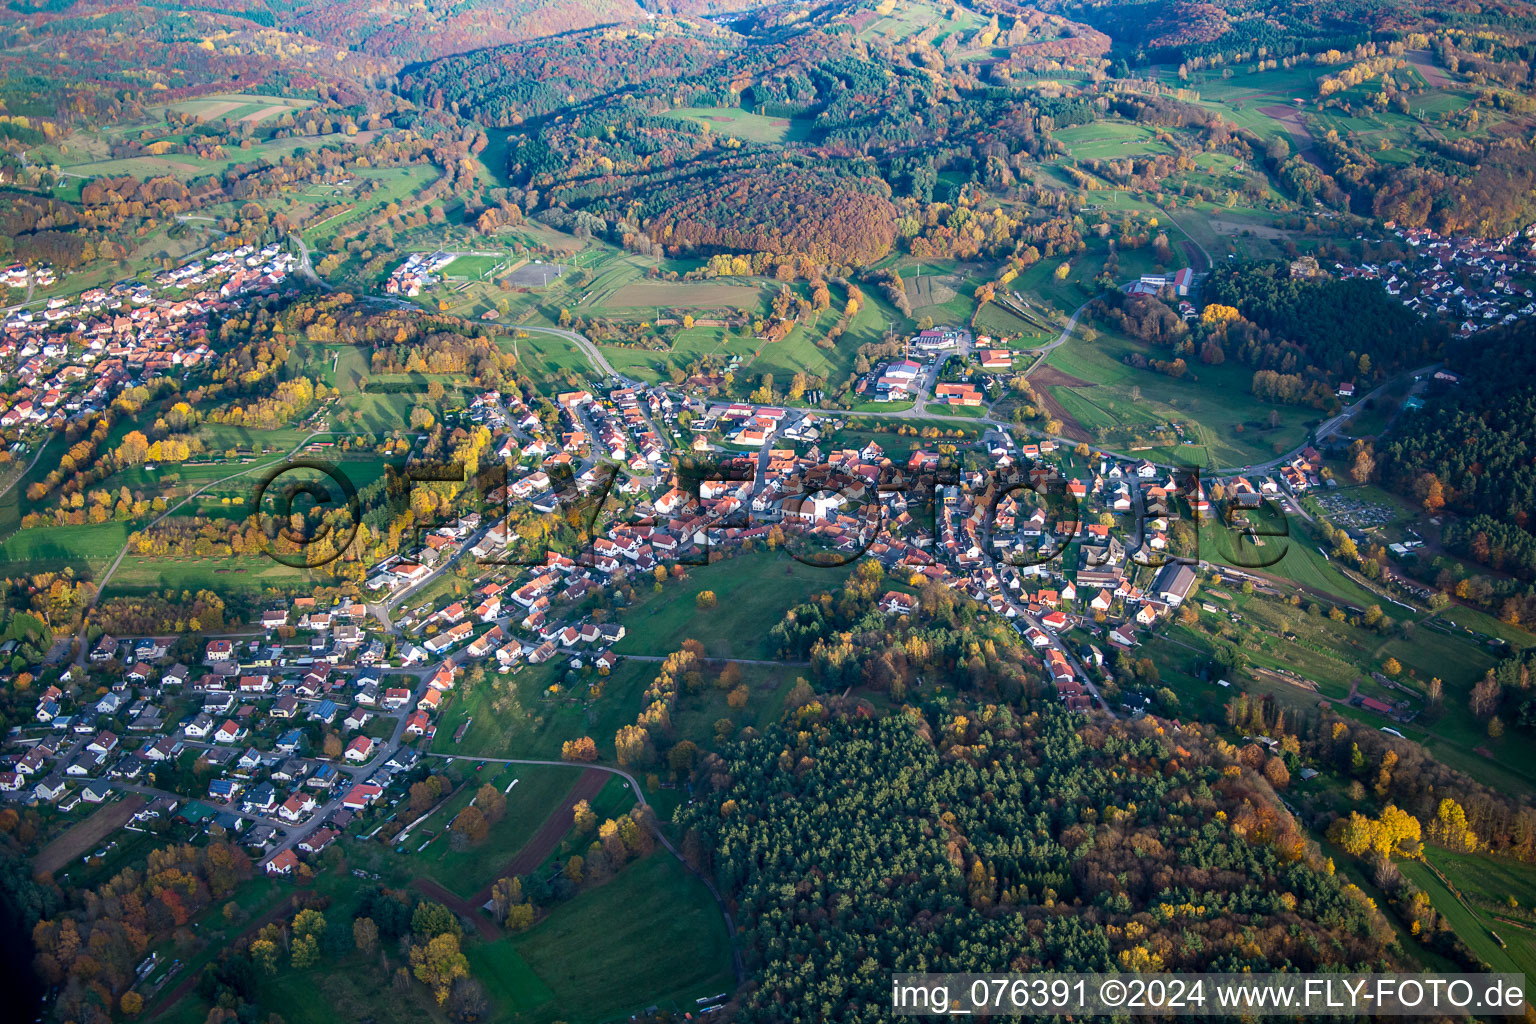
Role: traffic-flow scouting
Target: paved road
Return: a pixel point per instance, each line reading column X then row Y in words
column 1330, row 426
column 356, row 773
column 591, row 351
column 600, row 362
column 1044, row 351
column 393, row 600
column 181, row 798
column 17, row 478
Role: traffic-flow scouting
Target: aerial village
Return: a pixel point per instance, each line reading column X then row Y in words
column 125, row 334
column 311, row 726
column 1475, row 283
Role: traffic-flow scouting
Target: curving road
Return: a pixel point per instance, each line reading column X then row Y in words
column 581, row 341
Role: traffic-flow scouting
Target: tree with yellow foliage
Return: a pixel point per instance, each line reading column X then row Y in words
column 1216, row 313
column 1449, row 828
column 438, row 964
column 1395, row 832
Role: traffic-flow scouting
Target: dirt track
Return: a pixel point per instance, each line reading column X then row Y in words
column 550, row 833
column 1299, row 132
column 85, row 835
column 1047, row 377
column 459, row 905
column 528, row 858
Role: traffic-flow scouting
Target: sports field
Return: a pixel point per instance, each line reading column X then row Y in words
column 473, row 266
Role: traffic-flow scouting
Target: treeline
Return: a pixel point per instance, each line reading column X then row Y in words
column 473, row 356
column 506, row 85
column 1477, row 439
column 405, row 33
column 157, row 615
column 830, row 218
column 981, row 839
column 1350, row 329
column 92, row 949
column 1404, row 774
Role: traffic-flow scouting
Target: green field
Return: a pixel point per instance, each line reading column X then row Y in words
column 690, row 346
column 1475, row 928
column 1004, row 326
column 188, row 165
column 538, row 793
column 736, row 123
column 1296, row 556
column 912, row 17
column 234, row 106
column 1489, row 883
column 517, row 715
column 473, row 266
column 397, row 184
column 650, row 937
column 547, row 359
column 249, row 574
column 1117, row 404
column 54, row 547
column 752, row 591
column 1110, row 140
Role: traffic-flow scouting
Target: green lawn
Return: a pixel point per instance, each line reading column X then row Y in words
column 473, row 266
column 249, row 574
column 516, row 715
column 397, row 185
column 690, row 346
column 539, row 791
column 1118, row 404
column 1282, row 643
column 39, row 549
column 188, row 166
column 332, row 992
column 1473, row 928
column 650, row 937
column 1296, row 556
column 1488, row 883
column 736, row 123
column 753, row 591
column 546, row 360
column 1111, row 140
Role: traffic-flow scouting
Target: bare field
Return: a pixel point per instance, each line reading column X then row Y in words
column 932, row 289
column 209, row 110
column 1048, row 377
column 535, row 275
column 699, row 296
column 1301, row 135
column 80, row 838
column 256, row 117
